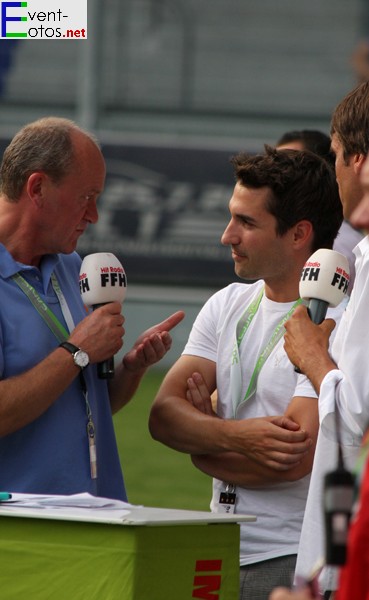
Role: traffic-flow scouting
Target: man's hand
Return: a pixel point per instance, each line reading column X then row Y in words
column 198, row 394
column 307, row 345
column 152, row 344
column 286, row 594
column 100, row 334
column 148, row 349
column 276, row 442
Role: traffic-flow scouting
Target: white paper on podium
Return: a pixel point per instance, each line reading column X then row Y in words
column 85, row 507
column 84, row 500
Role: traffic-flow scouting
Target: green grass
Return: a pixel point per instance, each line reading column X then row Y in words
column 154, row 474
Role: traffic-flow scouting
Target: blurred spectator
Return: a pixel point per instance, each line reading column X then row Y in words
column 360, row 61
column 320, row 143
column 308, row 139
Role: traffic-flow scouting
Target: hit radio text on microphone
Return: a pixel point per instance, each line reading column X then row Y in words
column 324, row 282
column 102, row 280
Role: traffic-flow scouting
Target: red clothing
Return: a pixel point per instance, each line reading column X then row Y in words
column 354, row 576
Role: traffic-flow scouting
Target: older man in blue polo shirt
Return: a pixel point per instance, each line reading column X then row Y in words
column 56, row 430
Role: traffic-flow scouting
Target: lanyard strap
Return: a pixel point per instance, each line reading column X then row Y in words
column 48, row 316
column 241, row 329
column 61, row 335
column 63, row 303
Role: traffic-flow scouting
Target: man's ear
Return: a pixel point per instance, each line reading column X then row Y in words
column 359, row 160
column 302, row 234
column 35, row 188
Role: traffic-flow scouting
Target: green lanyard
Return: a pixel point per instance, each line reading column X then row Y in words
column 48, row 316
column 61, row 335
column 241, row 329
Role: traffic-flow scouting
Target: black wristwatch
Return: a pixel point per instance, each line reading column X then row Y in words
column 80, row 357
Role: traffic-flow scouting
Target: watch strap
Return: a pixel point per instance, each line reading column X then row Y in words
column 70, row 347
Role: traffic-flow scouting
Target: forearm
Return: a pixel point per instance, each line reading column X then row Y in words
column 123, row 386
column 316, row 365
column 244, row 471
column 177, row 424
column 307, row 346
column 26, row 397
column 276, row 442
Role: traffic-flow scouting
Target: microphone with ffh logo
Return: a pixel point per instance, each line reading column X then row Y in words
column 324, row 282
column 102, row 279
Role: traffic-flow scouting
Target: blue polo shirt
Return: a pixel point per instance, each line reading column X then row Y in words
column 51, row 455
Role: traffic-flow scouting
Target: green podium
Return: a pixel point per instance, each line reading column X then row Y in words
column 147, row 554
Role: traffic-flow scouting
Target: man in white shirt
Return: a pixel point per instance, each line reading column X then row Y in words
column 341, row 379
column 283, row 208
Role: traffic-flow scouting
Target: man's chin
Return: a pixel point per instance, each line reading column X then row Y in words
column 69, row 248
column 249, row 277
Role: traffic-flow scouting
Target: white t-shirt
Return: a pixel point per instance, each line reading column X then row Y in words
column 348, row 389
column 280, row 507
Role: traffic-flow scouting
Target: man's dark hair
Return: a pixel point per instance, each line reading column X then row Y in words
column 350, row 121
column 310, row 139
column 302, row 187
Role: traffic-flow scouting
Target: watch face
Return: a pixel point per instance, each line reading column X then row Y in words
column 81, row 359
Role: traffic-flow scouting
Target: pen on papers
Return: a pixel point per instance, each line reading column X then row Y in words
column 5, row 496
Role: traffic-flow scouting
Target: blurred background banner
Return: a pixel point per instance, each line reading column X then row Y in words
column 163, row 212
column 173, row 89
column 242, row 70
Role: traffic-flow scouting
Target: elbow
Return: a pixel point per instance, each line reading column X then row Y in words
column 297, row 473
column 154, row 424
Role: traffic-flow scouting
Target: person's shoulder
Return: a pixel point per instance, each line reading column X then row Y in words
column 363, row 246
column 236, row 293
column 239, row 289
column 347, row 238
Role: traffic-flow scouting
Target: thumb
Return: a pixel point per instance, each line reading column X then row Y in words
column 327, row 326
column 285, row 423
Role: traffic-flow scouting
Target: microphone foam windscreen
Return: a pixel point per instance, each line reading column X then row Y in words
column 325, row 276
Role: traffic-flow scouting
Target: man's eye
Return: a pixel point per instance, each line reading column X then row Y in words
column 248, row 223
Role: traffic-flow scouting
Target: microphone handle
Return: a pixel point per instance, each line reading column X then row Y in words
column 105, row 369
column 317, row 310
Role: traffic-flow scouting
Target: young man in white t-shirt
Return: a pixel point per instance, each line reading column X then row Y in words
column 259, row 445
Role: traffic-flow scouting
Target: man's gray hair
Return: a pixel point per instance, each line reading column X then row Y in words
column 44, row 145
